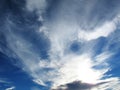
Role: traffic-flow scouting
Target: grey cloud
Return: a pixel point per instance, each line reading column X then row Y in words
column 78, row 85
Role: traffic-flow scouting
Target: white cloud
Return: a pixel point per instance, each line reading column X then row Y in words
column 64, row 67
column 71, row 67
column 102, row 31
column 77, row 68
column 38, row 81
column 101, row 58
column 112, row 83
column 11, row 88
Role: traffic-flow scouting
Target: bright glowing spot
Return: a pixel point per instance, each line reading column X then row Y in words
column 79, row 68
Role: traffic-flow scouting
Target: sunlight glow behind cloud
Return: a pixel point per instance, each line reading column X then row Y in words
column 61, row 32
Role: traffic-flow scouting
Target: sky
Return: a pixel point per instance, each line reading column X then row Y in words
column 59, row 44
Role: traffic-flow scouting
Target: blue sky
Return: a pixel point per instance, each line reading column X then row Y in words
column 59, row 45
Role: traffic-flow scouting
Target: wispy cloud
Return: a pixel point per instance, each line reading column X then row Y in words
column 5, row 81
column 69, row 21
column 111, row 83
column 102, row 31
column 38, row 5
column 11, row 88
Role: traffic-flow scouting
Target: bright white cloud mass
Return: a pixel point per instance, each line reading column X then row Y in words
column 62, row 31
column 79, row 33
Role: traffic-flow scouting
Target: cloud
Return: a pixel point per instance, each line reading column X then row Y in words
column 39, row 5
column 77, row 67
column 3, row 81
column 102, row 31
column 102, row 59
column 11, row 88
column 76, row 85
column 111, row 83
column 38, row 81
column 71, row 67
column 69, row 21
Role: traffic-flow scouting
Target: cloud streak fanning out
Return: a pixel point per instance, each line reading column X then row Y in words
column 67, row 23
